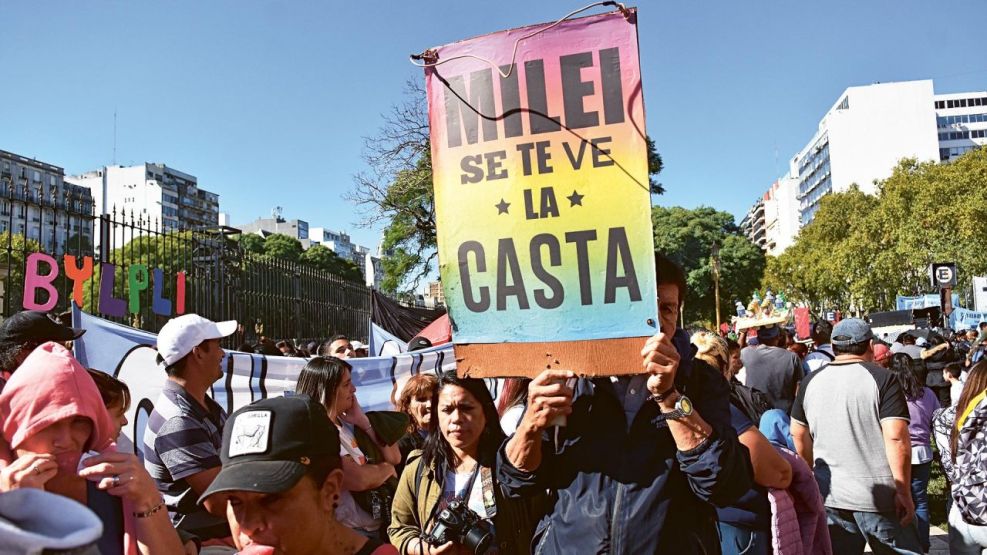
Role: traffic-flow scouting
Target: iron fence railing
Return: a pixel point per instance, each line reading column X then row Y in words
column 269, row 296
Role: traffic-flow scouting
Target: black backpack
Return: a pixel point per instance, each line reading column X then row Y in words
column 752, row 402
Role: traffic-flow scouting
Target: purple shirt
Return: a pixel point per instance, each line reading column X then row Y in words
column 920, row 416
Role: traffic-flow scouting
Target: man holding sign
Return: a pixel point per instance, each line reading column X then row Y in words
column 641, row 458
column 546, row 251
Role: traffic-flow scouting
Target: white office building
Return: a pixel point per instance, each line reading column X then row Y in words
column 961, row 119
column 863, row 137
column 860, row 141
column 781, row 215
column 152, row 192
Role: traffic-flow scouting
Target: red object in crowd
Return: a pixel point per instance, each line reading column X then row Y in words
column 439, row 331
column 803, row 326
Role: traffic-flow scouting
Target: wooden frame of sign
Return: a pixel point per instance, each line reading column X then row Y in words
column 598, row 357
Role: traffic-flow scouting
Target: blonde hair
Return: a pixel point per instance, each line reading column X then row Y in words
column 712, row 349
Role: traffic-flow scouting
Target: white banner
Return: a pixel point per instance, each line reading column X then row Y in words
column 130, row 355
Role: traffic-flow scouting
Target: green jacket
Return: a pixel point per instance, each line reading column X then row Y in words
column 514, row 522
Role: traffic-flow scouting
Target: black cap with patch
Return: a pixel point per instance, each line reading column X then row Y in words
column 34, row 325
column 268, row 445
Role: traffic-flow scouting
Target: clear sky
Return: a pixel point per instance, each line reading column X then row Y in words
column 266, row 102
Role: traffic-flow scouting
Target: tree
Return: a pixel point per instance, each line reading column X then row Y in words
column 283, row 246
column 252, row 242
column 861, row 251
column 687, row 236
column 396, row 190
column 655, row 165
column 15, row 249
column 323, row 258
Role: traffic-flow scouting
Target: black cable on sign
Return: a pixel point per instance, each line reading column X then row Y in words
column 430, row 57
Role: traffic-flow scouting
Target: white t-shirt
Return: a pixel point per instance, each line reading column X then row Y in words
column 455, row 484
column 955, row 390
column 348, row 513
column 511, row 419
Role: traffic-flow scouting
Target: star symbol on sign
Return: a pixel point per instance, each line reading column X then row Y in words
column 502, row 207
column 575, row 199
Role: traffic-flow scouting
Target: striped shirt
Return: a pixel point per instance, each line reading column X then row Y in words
column 182, row 438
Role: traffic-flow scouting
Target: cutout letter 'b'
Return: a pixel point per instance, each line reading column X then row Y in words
column 34, row 281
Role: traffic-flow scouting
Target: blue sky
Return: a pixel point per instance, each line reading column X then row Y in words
column 267, row 102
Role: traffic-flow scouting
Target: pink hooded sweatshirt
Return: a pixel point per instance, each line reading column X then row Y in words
column 51, row 385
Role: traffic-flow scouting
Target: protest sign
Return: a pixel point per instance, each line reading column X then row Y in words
column 543, row 206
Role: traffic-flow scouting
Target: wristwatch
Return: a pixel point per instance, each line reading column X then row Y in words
column 683, row 409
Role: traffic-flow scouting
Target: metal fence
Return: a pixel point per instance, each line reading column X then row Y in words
column 269, row 296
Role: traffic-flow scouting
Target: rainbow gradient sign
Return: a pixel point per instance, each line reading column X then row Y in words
column 541, row 185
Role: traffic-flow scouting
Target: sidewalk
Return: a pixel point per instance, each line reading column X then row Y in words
column 937, row 537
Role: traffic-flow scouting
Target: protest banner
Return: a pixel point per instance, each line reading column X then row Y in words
column 543, row 207
column 129, row 354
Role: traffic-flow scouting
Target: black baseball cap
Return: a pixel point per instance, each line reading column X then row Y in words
column 268, row 445
column 418, row 343
column 34, row 325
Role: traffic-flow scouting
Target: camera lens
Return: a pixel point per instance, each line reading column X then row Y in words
column 478, row 538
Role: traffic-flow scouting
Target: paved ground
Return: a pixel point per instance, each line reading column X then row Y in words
column 938, row 539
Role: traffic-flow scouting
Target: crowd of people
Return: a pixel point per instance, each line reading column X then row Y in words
column 715, row 444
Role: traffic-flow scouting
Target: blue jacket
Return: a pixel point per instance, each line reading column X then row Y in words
column 634, row 492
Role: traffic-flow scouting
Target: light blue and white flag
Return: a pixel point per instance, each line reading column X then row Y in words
column 130, row 355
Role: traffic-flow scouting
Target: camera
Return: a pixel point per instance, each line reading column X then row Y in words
column 458, row 523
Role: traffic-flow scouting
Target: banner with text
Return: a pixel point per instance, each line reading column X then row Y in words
column 543, row 206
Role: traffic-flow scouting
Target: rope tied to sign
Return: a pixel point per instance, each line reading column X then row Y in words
column 430, row 57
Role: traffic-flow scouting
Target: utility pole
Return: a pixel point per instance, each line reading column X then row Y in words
column 715, row 262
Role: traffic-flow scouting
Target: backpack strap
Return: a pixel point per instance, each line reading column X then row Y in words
column 824, row 353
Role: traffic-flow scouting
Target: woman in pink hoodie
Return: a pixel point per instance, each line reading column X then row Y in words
column 52, row 416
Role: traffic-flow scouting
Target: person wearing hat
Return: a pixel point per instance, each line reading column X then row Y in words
column 23, row 332
column 280, row 481
column 771, row 369
column 850, row 421
column 185, row 430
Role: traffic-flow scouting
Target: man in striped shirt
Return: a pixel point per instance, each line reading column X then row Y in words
column 184, row 433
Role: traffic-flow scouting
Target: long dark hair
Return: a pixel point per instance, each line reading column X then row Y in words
column 903, row 370
column 320, row 378
column 437, row 452
column 976, row 383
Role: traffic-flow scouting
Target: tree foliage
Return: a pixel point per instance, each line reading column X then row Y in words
column 687, row 237
column 861, row 251
column 252, row 242
column 396, row 190
column 322, row 257
column 284, row 247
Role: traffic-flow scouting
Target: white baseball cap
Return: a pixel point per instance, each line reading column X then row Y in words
column 177, row 338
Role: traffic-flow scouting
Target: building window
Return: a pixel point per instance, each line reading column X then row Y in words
column 940, row 105
column 845, row 104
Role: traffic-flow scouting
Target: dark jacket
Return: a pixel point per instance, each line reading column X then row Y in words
column 634, row 492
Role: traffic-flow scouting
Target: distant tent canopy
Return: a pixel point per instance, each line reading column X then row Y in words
column 402, row 321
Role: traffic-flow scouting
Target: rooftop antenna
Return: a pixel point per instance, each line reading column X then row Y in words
column 776, row 159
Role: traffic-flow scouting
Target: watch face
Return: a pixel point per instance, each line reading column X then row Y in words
column 685, row 405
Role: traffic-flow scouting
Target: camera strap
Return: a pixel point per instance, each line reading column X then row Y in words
column 464, row 495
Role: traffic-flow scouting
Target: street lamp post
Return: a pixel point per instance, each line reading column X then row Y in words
column 715, row 262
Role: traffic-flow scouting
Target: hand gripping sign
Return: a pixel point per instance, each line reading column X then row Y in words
column 543, row 208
